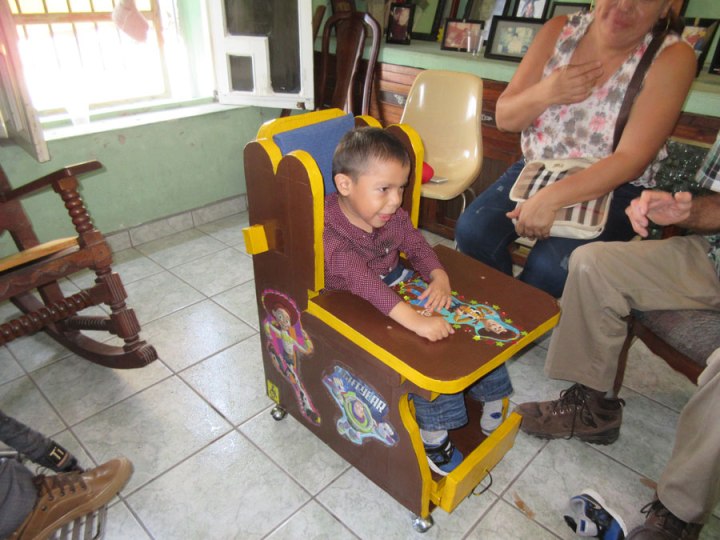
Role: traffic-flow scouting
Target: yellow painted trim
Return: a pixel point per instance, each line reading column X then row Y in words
column 317, row 188
column 418, row 378
column 419, row 151
column 462, row 481
column 370, row 120
column 255, row 239
column 407, row 416
column 288, row 123
column 273, row 152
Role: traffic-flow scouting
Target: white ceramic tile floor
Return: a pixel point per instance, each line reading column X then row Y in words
column 210, row 463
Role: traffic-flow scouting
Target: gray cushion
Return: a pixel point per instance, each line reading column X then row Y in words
column 695, row 333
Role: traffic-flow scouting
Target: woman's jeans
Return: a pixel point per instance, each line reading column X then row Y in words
column 485, row 233
column 448, row 411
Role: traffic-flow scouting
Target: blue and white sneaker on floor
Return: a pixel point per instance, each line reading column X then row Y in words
column 588, row 515
column 444, row 457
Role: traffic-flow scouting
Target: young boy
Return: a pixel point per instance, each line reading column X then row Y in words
column 365, row 231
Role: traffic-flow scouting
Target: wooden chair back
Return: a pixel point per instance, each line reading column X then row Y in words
column 29, row 277
column 341, row 74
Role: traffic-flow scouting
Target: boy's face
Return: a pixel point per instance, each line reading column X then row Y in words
column 372, row 200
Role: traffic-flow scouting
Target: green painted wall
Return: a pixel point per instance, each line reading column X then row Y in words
column 151, row 171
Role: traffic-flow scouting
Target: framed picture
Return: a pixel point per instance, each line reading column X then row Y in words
column 565, row 8
column 462, row 35
column 715, row 64
column 426, row 23
column 699, row 33
column 531, row 9
column 510, row 37
column 399, row 23
column 485, row 10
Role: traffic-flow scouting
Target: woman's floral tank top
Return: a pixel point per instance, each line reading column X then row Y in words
column 586, row 129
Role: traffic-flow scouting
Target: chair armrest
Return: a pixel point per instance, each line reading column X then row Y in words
column 50, row 179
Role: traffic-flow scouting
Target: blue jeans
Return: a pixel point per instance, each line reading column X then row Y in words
column 448, row 411
column 484, row 232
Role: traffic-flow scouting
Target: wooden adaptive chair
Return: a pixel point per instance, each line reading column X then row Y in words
column 340, row 366
column 30, row 278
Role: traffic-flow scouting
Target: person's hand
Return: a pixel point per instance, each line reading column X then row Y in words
column 659, row 207
column 534, row 219
column 573, row 83
column 431, row 328
column 438, row 292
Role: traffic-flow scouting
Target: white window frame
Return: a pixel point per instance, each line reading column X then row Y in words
column 262, row 95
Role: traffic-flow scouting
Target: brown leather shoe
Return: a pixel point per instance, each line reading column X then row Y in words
column 661, row 524
column 65, row 497
column 580, row 412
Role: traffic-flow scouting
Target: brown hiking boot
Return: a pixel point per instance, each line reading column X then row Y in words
column 65, row 497
column 661, row 524
column 580, row 412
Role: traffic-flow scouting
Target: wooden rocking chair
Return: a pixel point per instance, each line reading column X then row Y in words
column 37, row 268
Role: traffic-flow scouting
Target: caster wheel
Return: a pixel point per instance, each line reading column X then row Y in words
column 278, row 413
column 421, row 524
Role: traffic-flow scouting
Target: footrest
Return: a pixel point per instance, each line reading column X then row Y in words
column 456, row 486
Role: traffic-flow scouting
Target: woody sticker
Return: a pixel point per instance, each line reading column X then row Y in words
column 288, row 344
column 484, row 322
column 363, row 410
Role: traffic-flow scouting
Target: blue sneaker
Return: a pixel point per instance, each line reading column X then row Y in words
column 444, row 457
column 588, row 515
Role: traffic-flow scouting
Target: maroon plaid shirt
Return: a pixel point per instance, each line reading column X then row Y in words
column 356, row 260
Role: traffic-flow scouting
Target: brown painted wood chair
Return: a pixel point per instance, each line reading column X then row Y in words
column 30, row 278
column 685, row 339
column 338, row 81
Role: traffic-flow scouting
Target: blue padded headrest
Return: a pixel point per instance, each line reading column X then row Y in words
column 320, row 141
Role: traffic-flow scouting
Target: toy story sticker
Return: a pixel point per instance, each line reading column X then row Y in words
column 485, row 322
column 288, row 343
column 362, row 409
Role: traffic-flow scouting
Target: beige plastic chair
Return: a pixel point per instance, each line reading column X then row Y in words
column 445, row 108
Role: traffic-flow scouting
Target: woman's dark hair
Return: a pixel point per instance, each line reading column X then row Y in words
column 672, row 22
column 361, row 145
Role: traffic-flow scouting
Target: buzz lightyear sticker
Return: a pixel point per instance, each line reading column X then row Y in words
column 363, row 410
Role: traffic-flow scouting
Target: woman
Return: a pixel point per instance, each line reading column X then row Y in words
column 565, row 97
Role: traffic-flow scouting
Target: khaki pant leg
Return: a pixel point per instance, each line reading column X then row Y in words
column 690, row 484
column 608, row 279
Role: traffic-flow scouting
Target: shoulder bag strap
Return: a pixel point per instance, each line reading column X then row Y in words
column 635, row 84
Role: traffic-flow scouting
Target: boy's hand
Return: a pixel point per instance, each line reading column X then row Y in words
column 432, row 328
column 438, row 292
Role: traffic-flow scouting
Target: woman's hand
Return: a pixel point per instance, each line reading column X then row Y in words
column 533, row 218
column 573, row 83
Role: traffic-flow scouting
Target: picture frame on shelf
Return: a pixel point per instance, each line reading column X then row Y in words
column 400, row 23
column 485, row 10
column 531, row 9
column 714, row 68
column 427, row 18
column 462, row 35
column 699, row 33
column 566, row 8
column 510, row 37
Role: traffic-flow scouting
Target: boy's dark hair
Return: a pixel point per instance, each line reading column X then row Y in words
column 358, row 146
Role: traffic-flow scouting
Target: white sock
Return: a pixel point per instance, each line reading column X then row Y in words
column 491, row 416
column 433, row 438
